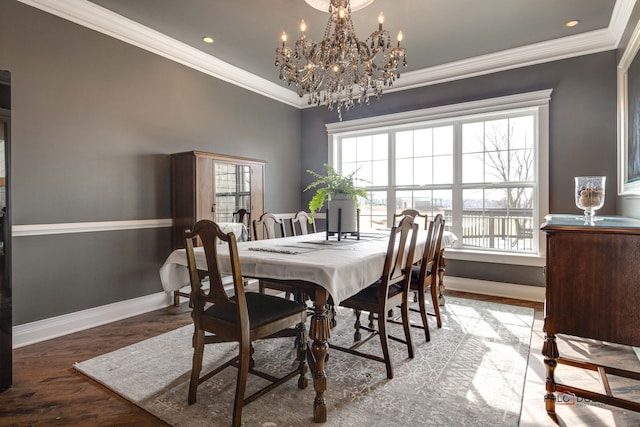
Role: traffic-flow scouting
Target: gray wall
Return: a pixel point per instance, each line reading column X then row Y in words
column 582, row 133
column 94, row 120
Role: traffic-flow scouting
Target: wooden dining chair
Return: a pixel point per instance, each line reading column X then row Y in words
column 302, row 221
column 243, row 318
column 425, row 275
column 390, row 290
column 413, row 214
column 265, row 228
column 242, row 216
column 268, row 226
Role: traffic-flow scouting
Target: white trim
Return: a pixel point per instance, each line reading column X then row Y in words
column 87, row 227
column 42, row 330
column 92, row 16
column 484, row 287
column 538, row 53
column 508, row 258
column 509, row 102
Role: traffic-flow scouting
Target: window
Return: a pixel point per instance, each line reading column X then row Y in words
column 483, row 165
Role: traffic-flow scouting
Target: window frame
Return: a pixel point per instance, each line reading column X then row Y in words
column 537, row 102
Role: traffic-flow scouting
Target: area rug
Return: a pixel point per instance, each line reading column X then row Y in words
column 471, row 373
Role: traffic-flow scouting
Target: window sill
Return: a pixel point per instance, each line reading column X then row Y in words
column 530, row 260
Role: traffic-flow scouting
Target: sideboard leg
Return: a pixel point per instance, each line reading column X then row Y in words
column 550, row 353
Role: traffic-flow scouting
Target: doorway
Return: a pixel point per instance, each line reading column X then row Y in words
column 6, row 336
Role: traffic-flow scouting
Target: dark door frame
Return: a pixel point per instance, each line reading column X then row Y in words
column 6, row 325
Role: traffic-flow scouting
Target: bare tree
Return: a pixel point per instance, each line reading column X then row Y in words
column 508, row 164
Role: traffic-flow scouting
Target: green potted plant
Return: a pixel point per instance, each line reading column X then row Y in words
column 340, row 192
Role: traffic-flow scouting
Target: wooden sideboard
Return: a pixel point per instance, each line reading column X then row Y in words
column 593, row 291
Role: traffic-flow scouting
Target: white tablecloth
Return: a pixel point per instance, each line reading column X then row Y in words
column 343, row 268
column 238, row 228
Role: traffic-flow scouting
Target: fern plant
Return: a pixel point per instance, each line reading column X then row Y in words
column 331, row 184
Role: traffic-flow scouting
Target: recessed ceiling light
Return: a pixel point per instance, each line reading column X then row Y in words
column 207, row 39
column 572, row 23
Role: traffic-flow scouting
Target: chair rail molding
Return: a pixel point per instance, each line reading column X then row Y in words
column 87, row 227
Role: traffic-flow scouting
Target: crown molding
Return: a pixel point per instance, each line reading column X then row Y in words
column 538, row 53
column 95, row 17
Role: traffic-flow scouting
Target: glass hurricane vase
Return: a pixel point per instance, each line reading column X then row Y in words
column 589, row 194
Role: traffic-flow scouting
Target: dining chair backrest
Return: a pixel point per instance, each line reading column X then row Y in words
column 431, row 254
column 268, row 227
column 413, row 214
column 242, row 216
column 400, row 253
column 300, row 224
column 208, row 234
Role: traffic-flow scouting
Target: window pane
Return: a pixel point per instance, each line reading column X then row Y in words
column 404, row 171
column 472, row 168
column 348, row 150
column 521, row 132
column 443, row 140
column 521, row 165
column 496, row 166
column 422, row 171
column 473, row 137
column 379, row 173
column 364, row 174
column 373, row 212
column 496, row 135
column 380, row 149
column 404, row 200
column 364, row 148
column 443, row 170
column 422, row 143
column 404, row 145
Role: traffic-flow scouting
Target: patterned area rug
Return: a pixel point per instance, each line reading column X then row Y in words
column 471, row 374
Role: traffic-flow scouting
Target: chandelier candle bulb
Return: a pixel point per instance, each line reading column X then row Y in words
column 380, row 21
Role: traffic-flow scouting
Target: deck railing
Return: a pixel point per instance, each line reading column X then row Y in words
column 496, row 228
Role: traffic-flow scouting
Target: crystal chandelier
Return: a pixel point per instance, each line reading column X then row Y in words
column 340, row 69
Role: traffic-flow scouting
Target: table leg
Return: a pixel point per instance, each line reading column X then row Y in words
column 319, row 333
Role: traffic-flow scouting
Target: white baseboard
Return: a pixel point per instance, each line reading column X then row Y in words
column 42, row 330
column 499, row 289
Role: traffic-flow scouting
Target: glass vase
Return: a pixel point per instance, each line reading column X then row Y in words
column 589, row 195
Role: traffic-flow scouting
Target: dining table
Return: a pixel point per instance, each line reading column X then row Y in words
column 324, row 267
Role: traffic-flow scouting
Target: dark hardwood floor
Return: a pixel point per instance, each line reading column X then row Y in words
column 47, row 391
